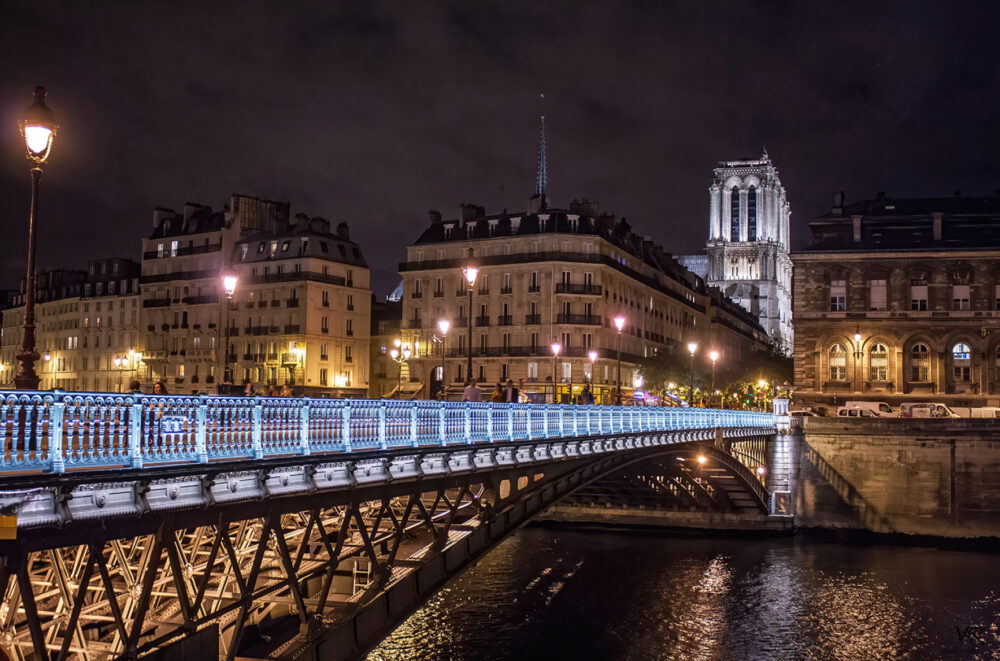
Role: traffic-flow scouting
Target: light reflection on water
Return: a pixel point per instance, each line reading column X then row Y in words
column 556, row 594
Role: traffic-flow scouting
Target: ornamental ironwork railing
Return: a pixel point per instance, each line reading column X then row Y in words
column 55, row 431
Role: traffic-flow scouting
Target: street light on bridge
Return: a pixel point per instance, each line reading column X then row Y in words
column 556, row 348
column 38, row 128
column 229, row 287
column 471, row 273
column 443, row 327
column 619, row 325
column 692, row 348
column 713, row 356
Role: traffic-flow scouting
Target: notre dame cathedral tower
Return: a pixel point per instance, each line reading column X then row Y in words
column 747, row 251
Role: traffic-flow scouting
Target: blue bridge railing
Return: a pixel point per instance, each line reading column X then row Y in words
column 55, row 431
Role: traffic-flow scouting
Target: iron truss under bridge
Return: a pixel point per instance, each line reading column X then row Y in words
column 225, row 527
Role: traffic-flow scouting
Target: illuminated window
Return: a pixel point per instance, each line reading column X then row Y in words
column 920, row 363
column 961, row 362
column 878, row 363
column 752, row 214
column 838, row 363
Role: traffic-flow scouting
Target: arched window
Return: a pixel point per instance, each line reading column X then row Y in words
column 734, row 214
column 878, row 363
column 838, row 363
column 752, row 214
column 920, row 363
column 961, row 362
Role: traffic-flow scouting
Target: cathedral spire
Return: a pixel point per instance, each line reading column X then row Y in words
column 542, row 184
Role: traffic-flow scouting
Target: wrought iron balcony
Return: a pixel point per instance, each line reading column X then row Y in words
column 482, row 321
column 579, row 319
column 567, row 288
column 532, row 319
column 505, row 320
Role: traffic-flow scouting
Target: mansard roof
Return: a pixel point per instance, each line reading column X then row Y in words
column 582, row 218
column 195, row 220
column 888, row 223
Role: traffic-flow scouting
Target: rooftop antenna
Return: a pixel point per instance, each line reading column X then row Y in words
column 542, row 187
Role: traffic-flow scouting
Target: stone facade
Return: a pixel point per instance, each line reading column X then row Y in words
column 900, row 300
column 84, row 321
column 746, row 255
column 554, row 276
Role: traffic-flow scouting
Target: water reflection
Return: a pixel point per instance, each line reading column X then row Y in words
column 553, row 595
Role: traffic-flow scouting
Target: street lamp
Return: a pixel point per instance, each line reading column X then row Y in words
column 298, row 356
column 692, row 348
column 443, row 327
column 857, row 358
column 556, row 348
column 619, row 325
column 228, row 286
column 470, row 272
column 713, row 356
column 400, row 355
column 38, row 128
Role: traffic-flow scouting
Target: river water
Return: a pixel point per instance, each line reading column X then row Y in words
column 556, row 594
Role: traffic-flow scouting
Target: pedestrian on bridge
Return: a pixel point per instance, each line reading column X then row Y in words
column 511, row 394
column 498, row 395
column 472, row 393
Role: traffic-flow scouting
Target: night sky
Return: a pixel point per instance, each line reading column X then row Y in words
column 371, row 114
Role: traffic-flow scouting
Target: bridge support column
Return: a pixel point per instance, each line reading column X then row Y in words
column 201, row 431
column 304, row 428
column 257, row 431
column 135, row 434
column 56, row 436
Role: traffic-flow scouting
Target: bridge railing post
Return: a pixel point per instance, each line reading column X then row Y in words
column 561, row 411
column 468, row 421
column 545, row 414
column 489, row 423
column 346, row 425
column 414, row 438
column 381, row 425
column 257, row 429
column 135, row 433
column 57, row 457
column 201, row 431
column 510, row 422
column 527, row 420
column 304, row 427
column 442, row 424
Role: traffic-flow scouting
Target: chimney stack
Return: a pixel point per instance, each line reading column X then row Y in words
column 344, row 231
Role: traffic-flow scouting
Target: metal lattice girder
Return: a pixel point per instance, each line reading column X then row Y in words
column 344, row 563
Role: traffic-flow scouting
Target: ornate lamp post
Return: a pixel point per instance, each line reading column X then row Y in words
column 692, row 348
column 298, row 356
column 713, row 356
column 228, row 286
column 592, row 355
column 400, row 355
column 619, row 325
column 121, row 362
column 556, row 348
column 443, row 326
column 857, row 359
column 38, row 128
column 470, row 272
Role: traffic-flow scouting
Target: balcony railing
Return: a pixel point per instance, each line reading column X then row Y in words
column 505, row 320
column 532, row 319
column 416, row 294
column 52, row 432
column 414, row 323
column 580, row 319
column 482, row 321
column 534, row 289
column 567, row 288
column 506, row 290
column 292, row 302
column 290, row 330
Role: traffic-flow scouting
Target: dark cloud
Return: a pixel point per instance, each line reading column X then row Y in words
column 374, row 112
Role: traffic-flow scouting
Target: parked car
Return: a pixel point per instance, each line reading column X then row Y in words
column 926, row 410
column 881, row 408
column 855, row 412
column 802, row 413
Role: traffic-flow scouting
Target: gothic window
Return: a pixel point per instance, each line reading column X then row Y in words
column 878, row 363
column 838, row 363
column 961, row 362
column 752, row 214
column 734, row 214
column 920, row 363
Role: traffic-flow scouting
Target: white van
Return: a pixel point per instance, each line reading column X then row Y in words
column 855, row 412
column 926, row 410
column 881, row 408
